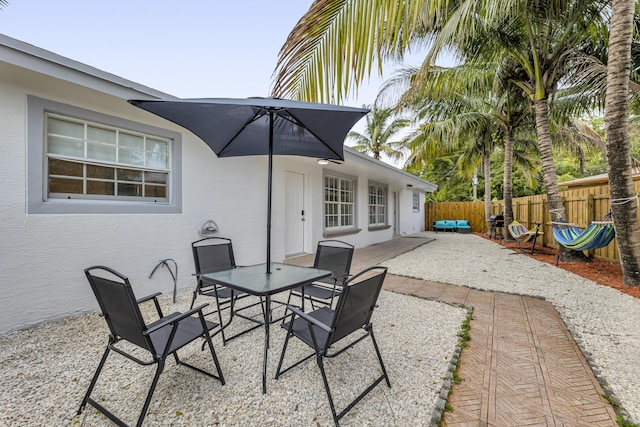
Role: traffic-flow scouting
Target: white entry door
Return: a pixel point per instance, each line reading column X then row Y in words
column 294, row 213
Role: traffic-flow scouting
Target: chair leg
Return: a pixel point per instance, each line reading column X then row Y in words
column 375, row 346
column 193, row 299
column 533, row 247
column 284, row 349
column 207, row 338
column 326, row 388
column 94, row 380
column 222, row 325
column 152, row 389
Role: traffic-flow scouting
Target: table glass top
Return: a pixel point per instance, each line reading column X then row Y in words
column 254, row 279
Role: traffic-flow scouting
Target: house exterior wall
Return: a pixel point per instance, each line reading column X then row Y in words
column 412, row 221
column 43, row 255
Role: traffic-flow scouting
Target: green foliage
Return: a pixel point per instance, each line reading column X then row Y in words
column 381, row 127
column 623, row 422
column 452, row 187
column 455, row 377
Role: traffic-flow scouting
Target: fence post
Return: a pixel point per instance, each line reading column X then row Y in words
column 591, row 216
column 591, row 209
column 545, row 232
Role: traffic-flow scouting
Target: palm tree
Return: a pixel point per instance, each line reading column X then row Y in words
column 381, row 126
column 540, row 40
column 624, row 200
column 451, row 121
column 476, row 90
column 336, row 43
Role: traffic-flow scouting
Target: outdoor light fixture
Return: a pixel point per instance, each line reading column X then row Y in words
column 323, row 161
column 208, row 229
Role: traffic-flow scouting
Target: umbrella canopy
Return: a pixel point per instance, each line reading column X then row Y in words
column 261, row 126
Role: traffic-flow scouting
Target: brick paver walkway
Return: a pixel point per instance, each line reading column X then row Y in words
column 522, row 366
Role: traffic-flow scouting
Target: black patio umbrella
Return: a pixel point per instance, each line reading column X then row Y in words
column 262, row 126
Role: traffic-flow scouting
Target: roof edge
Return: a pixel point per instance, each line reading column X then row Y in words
column 413, row 181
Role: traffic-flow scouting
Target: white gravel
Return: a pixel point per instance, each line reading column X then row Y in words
column 604, row 321
column 44, row 372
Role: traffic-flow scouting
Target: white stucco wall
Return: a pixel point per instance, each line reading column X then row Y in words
column 412, row 222
column 43, row 256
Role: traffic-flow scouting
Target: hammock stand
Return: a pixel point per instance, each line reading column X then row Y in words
column 520, row 233
column 597, row 235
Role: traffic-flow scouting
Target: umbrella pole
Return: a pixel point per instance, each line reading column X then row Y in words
column 269, row 192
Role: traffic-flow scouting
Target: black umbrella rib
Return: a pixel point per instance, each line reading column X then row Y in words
column 258, row 115
column 299, row 123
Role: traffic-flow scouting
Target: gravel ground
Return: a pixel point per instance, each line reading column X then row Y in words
column 44, row 372
column 603, row 321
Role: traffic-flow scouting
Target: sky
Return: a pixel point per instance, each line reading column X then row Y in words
column 187, row 48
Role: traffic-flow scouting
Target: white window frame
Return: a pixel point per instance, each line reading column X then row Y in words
column 416, row 201
column 38, row 200
column 339, row 203
column 88, row 152
column 378, row 204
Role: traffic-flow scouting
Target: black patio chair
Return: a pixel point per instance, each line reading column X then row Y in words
column 332, row 255
column 161, row 338
column 213, row 254
column 324, row 327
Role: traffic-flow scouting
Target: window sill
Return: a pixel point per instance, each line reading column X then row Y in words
column 379, row 227
column 341, row 232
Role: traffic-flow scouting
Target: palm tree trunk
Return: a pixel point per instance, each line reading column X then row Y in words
column 507, row 184
column 554, row 201
column 486, row 166
column 625, row 211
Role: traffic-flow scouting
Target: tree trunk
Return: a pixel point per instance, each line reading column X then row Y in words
column 507, row 185
column 554, row 201
column 624, row 202
column 486, row 166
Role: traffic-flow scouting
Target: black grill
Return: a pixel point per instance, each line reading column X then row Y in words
column 497, row 220
column 496, row 225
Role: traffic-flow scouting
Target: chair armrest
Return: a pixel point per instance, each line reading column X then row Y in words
column 342, row 278
column 155, row 302
column 148, row 297
column 308, row 318
column 170, row 320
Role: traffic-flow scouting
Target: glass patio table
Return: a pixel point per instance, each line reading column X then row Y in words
column 254, row 280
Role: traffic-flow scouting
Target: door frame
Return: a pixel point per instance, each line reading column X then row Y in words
column 302, row 230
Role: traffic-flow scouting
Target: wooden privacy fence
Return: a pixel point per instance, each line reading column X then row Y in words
column 582, row 206
column 473, row 211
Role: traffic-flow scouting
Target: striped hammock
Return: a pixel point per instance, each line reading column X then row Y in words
column 520, row 232
column 597, row 235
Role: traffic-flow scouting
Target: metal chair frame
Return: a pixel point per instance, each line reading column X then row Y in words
column 332, row 255
column 221, row 249
column 161, row 338
column 324, row 327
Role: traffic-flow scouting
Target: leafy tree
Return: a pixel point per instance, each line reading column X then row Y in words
column 541, row 41
column 443, row 172
column 381, row 127
column 337, row 43
column 472, row 107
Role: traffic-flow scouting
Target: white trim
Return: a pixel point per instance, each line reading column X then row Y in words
column 37, row 202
